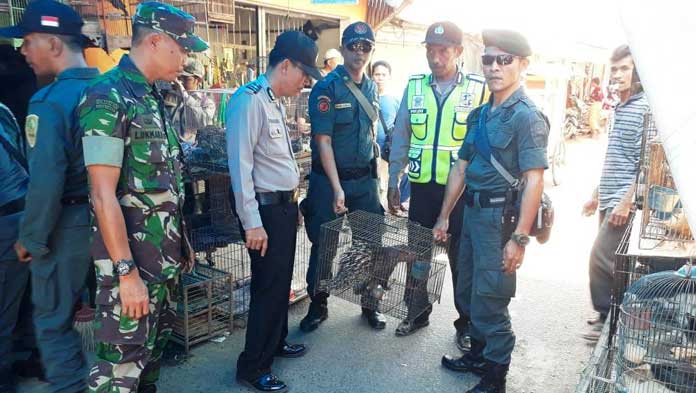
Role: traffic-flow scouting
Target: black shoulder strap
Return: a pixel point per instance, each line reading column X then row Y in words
column 483, row 147
column 362, row 100
column 14, row 153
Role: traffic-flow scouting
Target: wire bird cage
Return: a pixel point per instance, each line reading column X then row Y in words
column 383, row 263
column 630, row 265
column 656, row 345
column 203, row 306
column 598, row 375
column 297, row 121
column 664, row 218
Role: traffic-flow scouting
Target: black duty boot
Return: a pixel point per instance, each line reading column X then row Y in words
column 318, row 312
column 471, row 362
column 493, row 381
column 7, row 381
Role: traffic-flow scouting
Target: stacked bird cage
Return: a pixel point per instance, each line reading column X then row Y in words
column 656, row 340
column 598, row 374
column 303, row 248
column 297, row 120
column 203, row 307
column 630, row 265
column 305, row 164
column 664, row 218
column 383, row 263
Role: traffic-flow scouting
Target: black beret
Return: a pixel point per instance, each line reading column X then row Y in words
column 508, row 41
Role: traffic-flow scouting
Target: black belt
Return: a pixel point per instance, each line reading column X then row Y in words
column 74, row 200
column 277, row 197
column 12, row 207
column 344, row 173
column 486, row 198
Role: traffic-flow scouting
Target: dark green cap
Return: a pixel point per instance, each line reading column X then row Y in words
column 508, row 41
column 172, row 21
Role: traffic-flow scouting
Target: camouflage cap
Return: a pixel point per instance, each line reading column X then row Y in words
column 193, row 67
column 172, row 21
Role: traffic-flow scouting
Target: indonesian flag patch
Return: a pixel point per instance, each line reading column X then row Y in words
column 50, row 21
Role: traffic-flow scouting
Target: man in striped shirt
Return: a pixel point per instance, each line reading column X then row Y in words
column 614, row 196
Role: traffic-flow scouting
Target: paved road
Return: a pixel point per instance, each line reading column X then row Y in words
column 347, row 356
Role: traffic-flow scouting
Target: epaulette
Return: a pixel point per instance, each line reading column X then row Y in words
column 476, row 77
column 417, row 76
column 253, row 87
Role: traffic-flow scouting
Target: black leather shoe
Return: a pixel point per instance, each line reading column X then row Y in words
column 265, row 383
column 7, row 381
column 375, row 319
column 493, row 381
column 316, row 315
column 291, row 351
column 468, row 363
column 407, row 327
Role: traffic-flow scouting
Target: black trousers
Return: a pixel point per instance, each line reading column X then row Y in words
column 426, row 201
column 271, row 276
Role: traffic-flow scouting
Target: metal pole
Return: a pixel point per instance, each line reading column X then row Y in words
column 9, row 3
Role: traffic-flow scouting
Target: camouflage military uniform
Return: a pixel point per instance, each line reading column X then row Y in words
column 121, row 115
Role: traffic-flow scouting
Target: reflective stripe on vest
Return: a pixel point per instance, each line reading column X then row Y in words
column 437, row 132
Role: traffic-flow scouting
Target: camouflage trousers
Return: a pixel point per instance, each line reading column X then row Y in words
column 129, row 351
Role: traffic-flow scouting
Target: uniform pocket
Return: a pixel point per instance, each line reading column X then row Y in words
column 415, row 156
column 495, row 283
column 344, row 116
column 501, row 138
column 459, row 126
column 148, row 170
column 275, row 144
column 419, row 125
column 44, row 288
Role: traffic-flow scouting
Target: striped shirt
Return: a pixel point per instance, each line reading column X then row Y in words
column 621, row 163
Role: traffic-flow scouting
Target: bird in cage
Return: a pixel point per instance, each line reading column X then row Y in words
column 367, row 268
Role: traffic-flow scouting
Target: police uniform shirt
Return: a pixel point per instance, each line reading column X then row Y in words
column 334, row 111
column 517, row 133
column 54, row 154
column 258, row 146
column 401, row 137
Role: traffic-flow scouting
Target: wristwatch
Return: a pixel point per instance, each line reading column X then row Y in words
column 520, row 238
column 124, row 266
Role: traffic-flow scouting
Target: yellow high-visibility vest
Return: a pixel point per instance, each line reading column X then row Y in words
column 437, row 131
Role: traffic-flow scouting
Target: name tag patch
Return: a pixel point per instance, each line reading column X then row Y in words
column 417, row 111
column 275, row 132
column 466, row 100
column 343, row 105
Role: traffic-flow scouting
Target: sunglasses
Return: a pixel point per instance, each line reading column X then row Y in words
column 502, row 60
column 360, row 46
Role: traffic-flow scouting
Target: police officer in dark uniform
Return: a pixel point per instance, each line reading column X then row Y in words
column 264, row 177
column 508, row 131
column 344, row 173
column 14, row 275
column 54, row 233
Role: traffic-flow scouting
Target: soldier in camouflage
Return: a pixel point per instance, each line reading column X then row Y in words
column 133, row 158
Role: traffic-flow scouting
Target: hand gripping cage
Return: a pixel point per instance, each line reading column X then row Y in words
column 656, row 345
column 382, row 263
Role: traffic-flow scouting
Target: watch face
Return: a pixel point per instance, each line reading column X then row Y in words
column 123, row 268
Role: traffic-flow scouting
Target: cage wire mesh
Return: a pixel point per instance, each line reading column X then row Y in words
column 297, row 121
column 629, row 268
column 664, row 218
column 203, row 306
column 598, row 374
column 383, row 263
column 303, row 246
column 656, row 341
